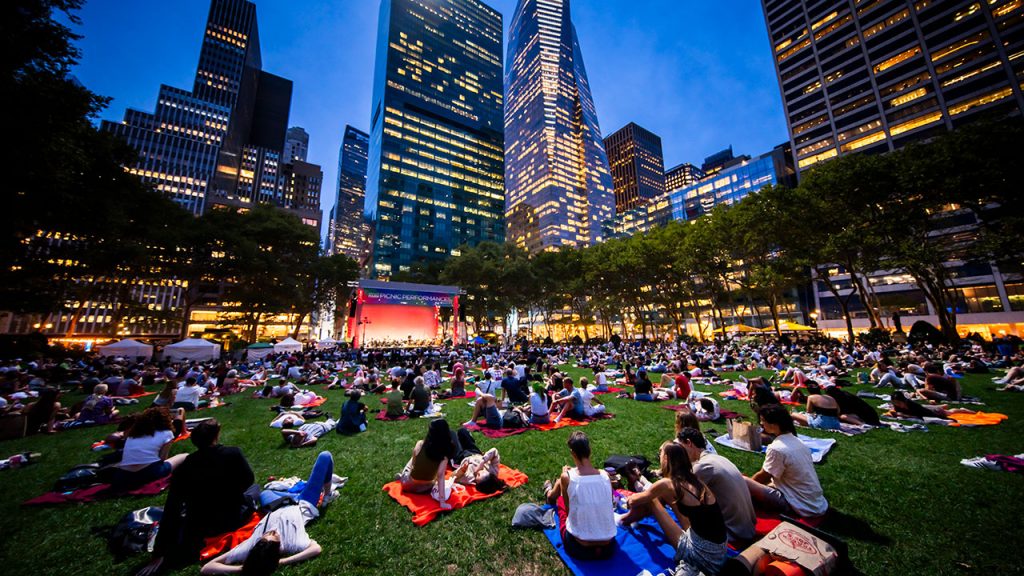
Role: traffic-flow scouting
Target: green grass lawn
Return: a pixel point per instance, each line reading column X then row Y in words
column 907, row 505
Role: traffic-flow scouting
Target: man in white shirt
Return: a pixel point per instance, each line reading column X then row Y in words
column 787, row 482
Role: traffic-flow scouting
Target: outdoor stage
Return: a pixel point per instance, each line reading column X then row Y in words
column 400, row 314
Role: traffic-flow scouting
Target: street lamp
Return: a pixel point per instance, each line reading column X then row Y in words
column 814, row 319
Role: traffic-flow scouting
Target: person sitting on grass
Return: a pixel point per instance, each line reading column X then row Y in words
column 583, row 496
column 187, row 396
column 98, row 408
column 419, row 401
column 395, row 403
column 822, row 413
column 787, row 482
column 938, row 386
column 424, row 473
column 590, row 404
column 540, row 405
column 569, row 402
column 643, row 390
column 146, row 447
column 487, row 406
column 475, row 468
column 353, row 415
column 165, row 399
column 206, row 498
column 688, row 419
column 727, row 484
column 42, row 414
column 307, row 434
column 280, row 538
column 701, row 541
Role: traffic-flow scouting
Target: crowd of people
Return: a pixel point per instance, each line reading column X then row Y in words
column 713, row 503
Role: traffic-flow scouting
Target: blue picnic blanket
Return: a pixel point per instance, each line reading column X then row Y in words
column 640, row 547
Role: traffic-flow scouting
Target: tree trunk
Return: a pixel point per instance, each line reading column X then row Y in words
column 844, row 304
column 298, row 325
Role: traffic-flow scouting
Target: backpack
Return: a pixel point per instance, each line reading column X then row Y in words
column 135, row 532
column 513, row 419
column 81, row 476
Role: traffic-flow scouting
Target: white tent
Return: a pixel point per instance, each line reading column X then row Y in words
column 128, row 348
column 327, row 343
column 289, row 344
column 192, row 349
column 259, row 351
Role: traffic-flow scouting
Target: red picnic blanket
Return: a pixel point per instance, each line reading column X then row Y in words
column 138, row 394
column 383, row 415
column 564, row 422
column 425, row 508
column 316, row 402
column 216, row 545
column 610, row 390
column 93, row 493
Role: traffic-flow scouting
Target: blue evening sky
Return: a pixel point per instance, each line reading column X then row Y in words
column 698, row 74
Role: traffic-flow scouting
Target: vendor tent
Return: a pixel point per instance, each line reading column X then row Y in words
column 128, row 348
column 327, row 343
column 259, row 350
column 192, row 349
column 789, row 327
column 288, row 345
column 740, row 328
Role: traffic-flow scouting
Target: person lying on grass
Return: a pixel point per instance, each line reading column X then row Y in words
column 475, row 468
column 306, row 434
column 583, row 495
column 424, row 473
column 700, row 536
column 280, row 538
column 487, row 406
column 787, row 482
column 903, row 406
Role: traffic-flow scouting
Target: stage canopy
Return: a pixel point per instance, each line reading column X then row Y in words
column 128, row 348
column 402, row 314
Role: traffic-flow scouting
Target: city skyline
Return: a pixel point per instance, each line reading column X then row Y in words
column 718, row 79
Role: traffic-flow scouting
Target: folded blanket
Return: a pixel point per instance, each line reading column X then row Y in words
column 217, row 545
column 978, row 419
column 819, row 446
column 93, row 493
column 564, row 422
column 639, row 547
column 425, row 508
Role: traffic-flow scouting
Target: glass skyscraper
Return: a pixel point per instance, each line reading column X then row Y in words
column 435, row 166
column 637, row 166
column 558, row 184
column 873, row 75
column 348, row 232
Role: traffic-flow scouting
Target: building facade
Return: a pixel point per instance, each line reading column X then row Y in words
column 435, row 165
column 636, row 164
column 558, row 185
column 349, row 232
column 296, row 144
column 728, row 186
column 681, row 176
column 873, row 76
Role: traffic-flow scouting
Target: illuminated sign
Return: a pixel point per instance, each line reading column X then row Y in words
column 378, row 296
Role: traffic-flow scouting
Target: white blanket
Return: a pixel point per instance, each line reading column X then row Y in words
column 819, row 446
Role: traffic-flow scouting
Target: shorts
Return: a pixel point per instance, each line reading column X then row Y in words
column 822, row 422
column 493, row 417
column 545, row 419
column 126, row 480
column 643, row 397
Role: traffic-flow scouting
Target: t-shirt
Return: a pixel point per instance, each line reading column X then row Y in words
column 585, row 399
column 420, row 398
column 395, row 405
column 643, row 386
column 489, row 386
column 730, row 490
column 682, row 386
column 538, row 405
column 352, row 416
column 789, row 462
column 145, row 449
column 290, row 524
column 189, row 394
column 318, row 429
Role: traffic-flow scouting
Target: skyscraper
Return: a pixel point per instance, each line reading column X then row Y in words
column 872, row 76
column 221, row 143
column 637, row 166
column 558, row 185
column 296, row 144
column 348, row 232
column 682, row 176
column 435, row 166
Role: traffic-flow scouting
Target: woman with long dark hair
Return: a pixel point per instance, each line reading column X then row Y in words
column 425, row 471
column 700, row 536
column 146, row 446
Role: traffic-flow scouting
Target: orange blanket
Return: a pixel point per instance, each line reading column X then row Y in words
column 217, row 545
column 425, row 508
column 978, row 419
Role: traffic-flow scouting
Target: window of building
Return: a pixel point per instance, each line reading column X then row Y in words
column 978, row 299
column 1015, row 293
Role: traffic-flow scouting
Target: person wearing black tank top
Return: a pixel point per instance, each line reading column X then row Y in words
column 700, row 535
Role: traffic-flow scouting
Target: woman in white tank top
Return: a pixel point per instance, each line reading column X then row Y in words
column 583, row 496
